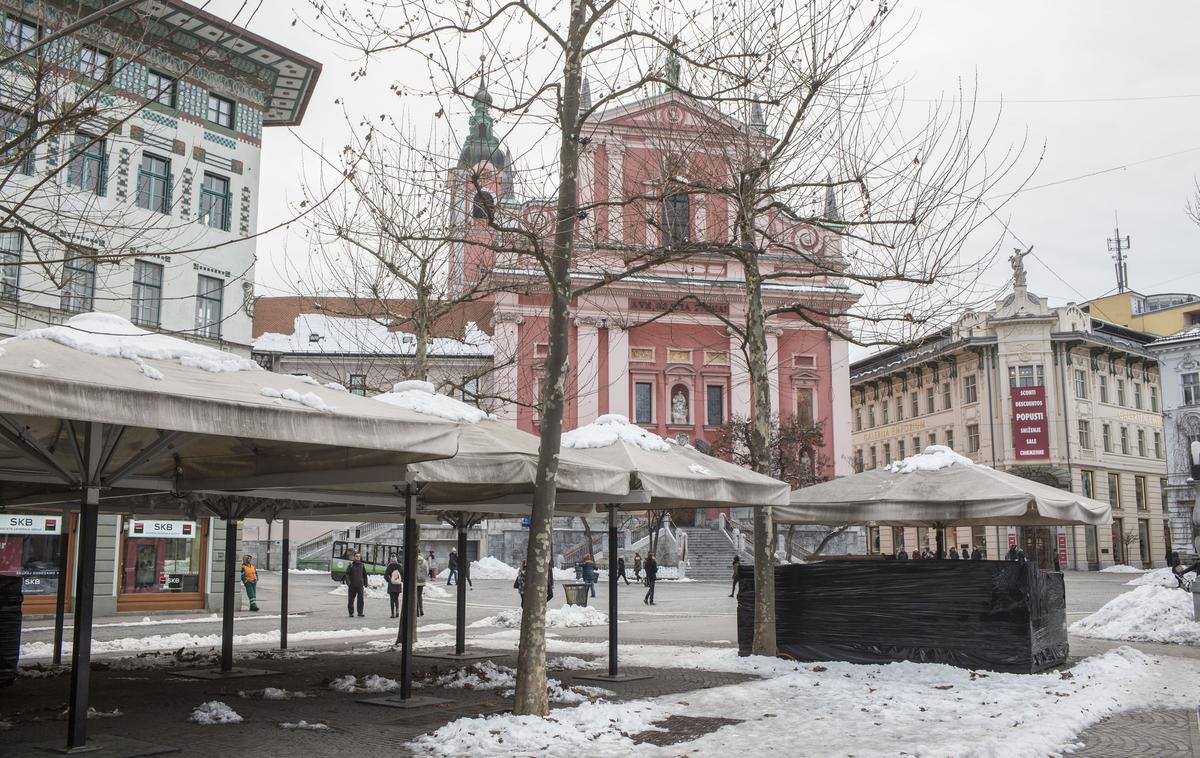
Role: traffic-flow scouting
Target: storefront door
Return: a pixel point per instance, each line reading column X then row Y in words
column 1040, row 544
column 162, row 564
column 29, row 548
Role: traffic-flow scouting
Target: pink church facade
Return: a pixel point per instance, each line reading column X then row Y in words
column 680, row 375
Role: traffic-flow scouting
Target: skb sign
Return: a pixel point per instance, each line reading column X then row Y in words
column 1031, row 424
column 176, row 530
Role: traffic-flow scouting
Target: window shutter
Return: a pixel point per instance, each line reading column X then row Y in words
column 167, row 190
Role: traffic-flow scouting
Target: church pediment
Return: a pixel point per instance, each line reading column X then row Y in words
column 672, row 111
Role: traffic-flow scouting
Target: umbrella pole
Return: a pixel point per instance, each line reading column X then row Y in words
column 283, row 590
column 941, row 542
column 230, row 589
column 460, row 610
column 409, row 610
column 612, row 590
column 85, row 580
column 60, row 607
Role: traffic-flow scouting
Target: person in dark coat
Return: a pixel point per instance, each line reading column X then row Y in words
column 953, row 553
column 977, row 554
column 394, row 574
column 901, row 555
column 651, row 567
column 637, row 567
column 452, row 567
column 590, row 574
column 464, row 573
column 916, row 554
column 519, row 583
column 356, row 585
column 737, row 574
column 621, row 569
column 1012, row 553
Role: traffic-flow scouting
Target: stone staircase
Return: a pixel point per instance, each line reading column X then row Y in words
column 709, row 553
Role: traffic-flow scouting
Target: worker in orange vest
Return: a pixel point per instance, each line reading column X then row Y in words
column 250, row 580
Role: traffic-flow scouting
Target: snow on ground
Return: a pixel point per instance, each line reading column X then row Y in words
column 147, row 621
column 316, row 726
column 486, row 675
column 566, row 616
column 1121, row 568
column 608, row 430
column 492, row 567
column 1160, row 577
column 1145, row 614
column 214, row 712
column 572, row 663
column 271, row 693
column 303, row 571
column 898, row 709
column 436, row 591
column 370, row 683
column 376, row 588
column 672, row 573
column 183, row 640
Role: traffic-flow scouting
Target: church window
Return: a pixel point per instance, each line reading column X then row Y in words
column 483, row 205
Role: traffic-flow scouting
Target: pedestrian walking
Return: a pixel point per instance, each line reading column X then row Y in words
column 737, row 574
column 1012, row 553
column 651, row 567
column 356, row 585
column 431, row 564
column 953, row 553
column 590, row 574
column 901, row 555
column 423, row 575
column 637, row 567
column 621, row 569
column 394, row 573
column 977, row 554
column 452, row 567
column 250, row 581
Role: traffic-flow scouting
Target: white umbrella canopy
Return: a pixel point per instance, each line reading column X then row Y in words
column 670, row 474
column 940, row 486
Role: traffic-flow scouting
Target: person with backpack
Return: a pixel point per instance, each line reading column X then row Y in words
column 250, row 581
column 394, row 573
column 651, row 567
column 356, row 585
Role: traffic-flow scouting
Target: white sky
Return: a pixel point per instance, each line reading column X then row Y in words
column 1115, row 85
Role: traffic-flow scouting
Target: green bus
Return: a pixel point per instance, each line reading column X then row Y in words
column 375, row 557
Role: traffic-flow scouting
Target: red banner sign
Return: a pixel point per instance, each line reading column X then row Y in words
column 1062, row 546
column 1031, row 427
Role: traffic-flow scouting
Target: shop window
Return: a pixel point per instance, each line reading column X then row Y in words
column 29, row 547
column 160, row 556
column 1087, row 483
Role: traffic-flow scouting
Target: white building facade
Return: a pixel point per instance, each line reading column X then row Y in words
column 1179, row 361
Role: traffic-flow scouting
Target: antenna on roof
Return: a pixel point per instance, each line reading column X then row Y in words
column 1119, row 246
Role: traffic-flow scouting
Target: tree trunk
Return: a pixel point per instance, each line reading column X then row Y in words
column 790, row 533
column 828, row 537
column 587, row 536
column 267, row 560
column 531, row 695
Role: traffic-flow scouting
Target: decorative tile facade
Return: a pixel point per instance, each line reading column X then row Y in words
column 249, row 121
column 191, row 99
column 219, row 140
column 155, row 117
column 185, row 193
column 244, row 213
column 123, row 156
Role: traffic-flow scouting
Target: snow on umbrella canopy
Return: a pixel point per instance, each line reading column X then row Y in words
column 494, row 459
column 940, row 486
column 673, row 475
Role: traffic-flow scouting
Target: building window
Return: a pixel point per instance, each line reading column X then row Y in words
column 79, row 284
column 1158, row 453
column 1137, row 396
column 970, row 389
column 1144, row 541
column 916, row 445
column 1120, row 392
column 1124, row 440
column 972, row 438
column 95, row 63
column 160, row 88
column 858, row 419
column 874, row 458
column 929, row 406
column 643, row 403
column 714, row 404
column 899, row 409
column 483, row 205
column 1162, row 494
column 1106, row 437
column 1026, row 376
column 357, row 385
column 1085, row 434
column 1141, row 440
column 161, row 557
column 858, row 460
column 209, row 291
column 88, row 170
column 1139, row 493
column 1154, row 398
column 916, row 405
column 146, row 305
column 950, row 438
column 883, row 409
column 154, row 184
column 1191, row 388
column 19, row 140
column 1087, row 483
column 887, row 454
column 946, row 402
column 871, row 416
column 1114, row 490
column 933, row 438
column 215, row 202
column 20, row 33
column 1081, row 383
column 220, row 111
column 900, row 449
column 10, row 264
column 1103, row 388
column 470, row 390
column 676, row 218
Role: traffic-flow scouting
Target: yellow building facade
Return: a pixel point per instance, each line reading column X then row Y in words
column 1160, row 315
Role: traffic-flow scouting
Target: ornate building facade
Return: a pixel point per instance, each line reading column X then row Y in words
column 1179, row 358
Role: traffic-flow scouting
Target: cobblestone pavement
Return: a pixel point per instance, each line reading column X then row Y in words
column 1144, row 734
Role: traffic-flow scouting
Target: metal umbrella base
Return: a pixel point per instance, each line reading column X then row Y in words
column 395, row 701
column 466, row 655
column 235, row 673
column 108, row 746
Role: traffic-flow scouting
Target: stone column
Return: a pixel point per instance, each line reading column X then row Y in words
column 587, row 367
column 506, row 325
column 839, row 423
column 618, row 371
column 616, row 191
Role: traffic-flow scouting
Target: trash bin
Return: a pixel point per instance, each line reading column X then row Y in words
column 10, row 627
column 577, row 594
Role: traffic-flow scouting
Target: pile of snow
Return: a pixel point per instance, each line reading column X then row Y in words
column 306, row 571
column 1121, row 568
column 934, row 458
column 37, row 364
column 370, row 683
column 92, row 713
column 214, row 712
column 422, row 397
column 376, row 587
column 435, row 590
column 30, row 650
column 1160, row 577
column 271, row 693
column 486, row 675
column 925, row 709
column 367, row 336
column 110, row 335
column 610, row 428
column 316, row 726
column 568, row 616
column 492, row 568
column 308, row 399
column 1145, row 614
column 696, row 468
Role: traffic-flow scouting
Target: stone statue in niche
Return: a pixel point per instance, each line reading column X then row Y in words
column 679, row 406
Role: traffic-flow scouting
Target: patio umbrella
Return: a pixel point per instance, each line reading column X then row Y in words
column 98, row 403
column 667, row 475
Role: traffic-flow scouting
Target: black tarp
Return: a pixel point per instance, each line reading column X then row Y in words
column 10, row 627
column 995, row 615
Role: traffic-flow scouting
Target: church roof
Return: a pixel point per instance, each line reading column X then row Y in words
column 481, row 144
